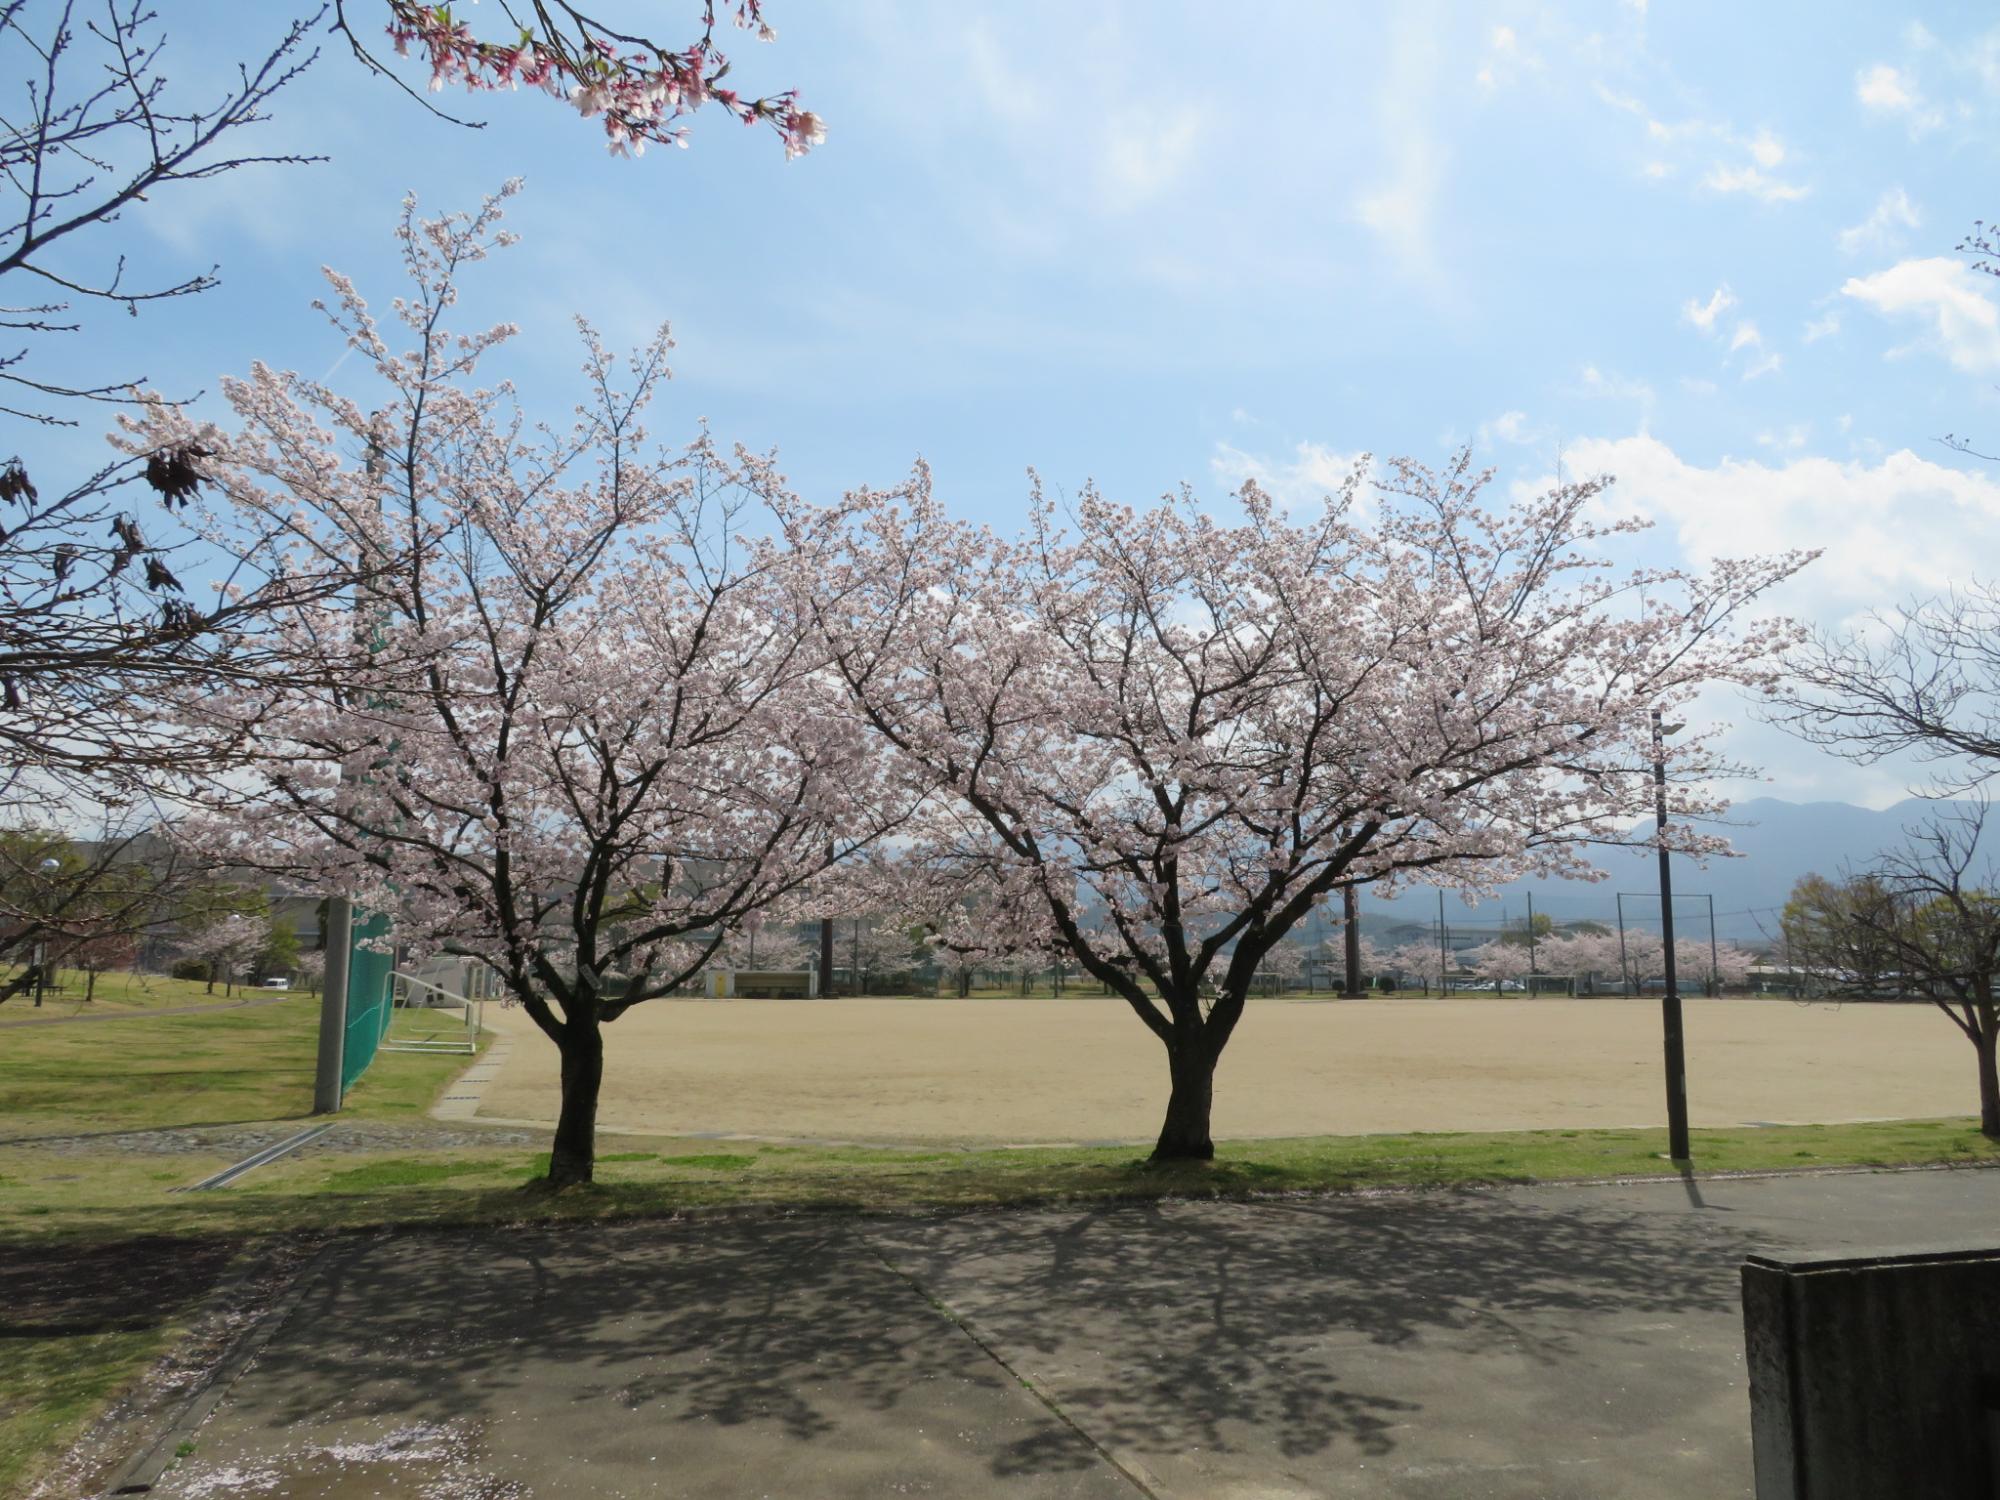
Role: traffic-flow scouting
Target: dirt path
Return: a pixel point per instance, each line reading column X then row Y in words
column 1086, row 1070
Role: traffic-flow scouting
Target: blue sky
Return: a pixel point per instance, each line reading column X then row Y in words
column 1706, row 247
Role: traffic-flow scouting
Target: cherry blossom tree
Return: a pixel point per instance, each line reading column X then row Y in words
column 575, row 731
column 226, row 945
column 1281, row 965
column 767, row 945
column 312, row 969
column 1421, row 962
column 1331, row 957
column 1500, row 962
column 1581, row 956
column 1200, row 727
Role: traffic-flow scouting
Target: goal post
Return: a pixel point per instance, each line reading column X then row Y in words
column 407, row 988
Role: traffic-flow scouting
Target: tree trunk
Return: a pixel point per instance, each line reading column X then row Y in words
column 573, row 1158
column 1184, row 1136
column 89, row 986
column 1989, row 1083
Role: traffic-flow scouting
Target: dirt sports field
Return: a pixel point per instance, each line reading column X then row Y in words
column 1083, row 1070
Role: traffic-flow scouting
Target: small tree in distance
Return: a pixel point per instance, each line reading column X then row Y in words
column 1421, row 962
column 1834, row 933
column 1932, row 910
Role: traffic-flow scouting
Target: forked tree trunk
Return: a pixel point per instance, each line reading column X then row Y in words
column 1989, row 1082
column 573, row 1157
column 1184, row 1136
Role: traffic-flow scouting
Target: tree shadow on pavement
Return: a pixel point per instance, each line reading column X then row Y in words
column 1157, row 1328
column 599, row 1336
column 1180, row 1326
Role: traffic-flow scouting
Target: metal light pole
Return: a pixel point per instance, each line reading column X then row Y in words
column 1670, row 1003
column 1532, row 988
column 1444, row 962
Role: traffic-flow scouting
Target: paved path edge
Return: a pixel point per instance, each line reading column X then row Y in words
column 143, row 1469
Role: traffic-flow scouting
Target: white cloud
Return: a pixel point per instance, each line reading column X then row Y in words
column 1893, row 212
column 1508, row 427
column 1754, row 182
column 1770, row 364
column 1947, row 295
column 1787, row 439
column 1596, row 384
column 1885, row 89
column 1893, row 93
column 1146, row 150
column 1505, row 60
column 1704, row 314
column 1820, row 328
column 1746, row 337
column 1899, row 526
column 1401, row 209
column 1766, row 150
column 1131, row 149
column 1302, row 481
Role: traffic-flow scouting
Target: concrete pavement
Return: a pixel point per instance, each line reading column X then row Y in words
column 1551, row 1342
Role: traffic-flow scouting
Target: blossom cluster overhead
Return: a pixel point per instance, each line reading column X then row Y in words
column 640, row 90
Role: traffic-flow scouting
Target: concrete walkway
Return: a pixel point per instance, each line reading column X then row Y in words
column 1548, row 1343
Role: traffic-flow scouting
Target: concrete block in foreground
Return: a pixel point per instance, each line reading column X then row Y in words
column 1874, row 1375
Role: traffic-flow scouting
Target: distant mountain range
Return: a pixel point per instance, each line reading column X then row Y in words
column 1776, row 843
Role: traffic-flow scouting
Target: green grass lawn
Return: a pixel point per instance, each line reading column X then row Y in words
column 219, row 1068
column 119, row 991
column 88, row 1205
column 59, row 1362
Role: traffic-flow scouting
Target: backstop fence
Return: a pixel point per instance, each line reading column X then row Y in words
column 369, row 996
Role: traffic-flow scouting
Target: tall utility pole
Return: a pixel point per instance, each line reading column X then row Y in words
column 1670, row 1003
column 1350, row 911
column 826, row 940
column 1531, row 942
column 1443, row 964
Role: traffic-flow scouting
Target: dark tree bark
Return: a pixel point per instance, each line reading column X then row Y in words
column 1185, row 1134
column 573, row 1157
column 1987, row 1041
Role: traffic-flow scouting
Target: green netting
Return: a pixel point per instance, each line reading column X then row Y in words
column 369, row 1008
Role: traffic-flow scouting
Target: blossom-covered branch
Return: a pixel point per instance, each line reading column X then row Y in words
column 642, row 90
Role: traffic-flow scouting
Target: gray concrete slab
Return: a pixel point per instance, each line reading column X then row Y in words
column 774, row 1359
column 1557, row 1342
column 1562, row 1342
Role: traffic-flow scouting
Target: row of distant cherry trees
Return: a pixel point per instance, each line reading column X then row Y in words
column 597, row 704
